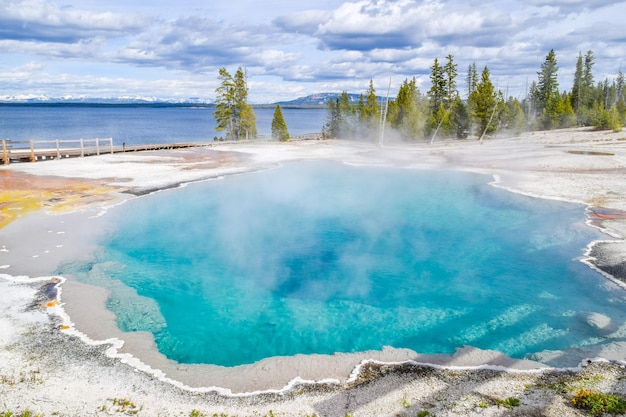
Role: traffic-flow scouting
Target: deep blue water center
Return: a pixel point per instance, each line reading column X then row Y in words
column 322, row 257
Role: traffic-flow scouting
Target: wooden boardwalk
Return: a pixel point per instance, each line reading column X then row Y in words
column 41, row 150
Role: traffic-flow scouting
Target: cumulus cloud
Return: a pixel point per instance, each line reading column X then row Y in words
column 306, row 22
column 195, row 43
column 367, row 25
column 39, row 20
column 334, row 44
column 572, row 6
column 83, row 49
column 37, row 79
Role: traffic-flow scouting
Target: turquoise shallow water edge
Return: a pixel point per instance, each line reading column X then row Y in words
column 322, row 257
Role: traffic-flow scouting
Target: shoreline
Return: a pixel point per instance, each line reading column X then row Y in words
column 439, row 157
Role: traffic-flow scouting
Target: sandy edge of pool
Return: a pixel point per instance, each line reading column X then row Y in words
column 48, row 370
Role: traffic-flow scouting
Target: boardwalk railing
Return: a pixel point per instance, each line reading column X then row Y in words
column 34, row 150
column 39, row 150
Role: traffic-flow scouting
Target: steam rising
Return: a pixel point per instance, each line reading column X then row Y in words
column 322, row 258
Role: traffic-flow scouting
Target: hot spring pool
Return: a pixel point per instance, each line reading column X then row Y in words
column 322, row 257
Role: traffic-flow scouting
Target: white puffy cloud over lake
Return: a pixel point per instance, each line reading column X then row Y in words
column 173, row 49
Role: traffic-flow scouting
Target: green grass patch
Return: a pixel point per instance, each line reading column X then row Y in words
column 509, row 402
column 25, row 413
column 597, row 403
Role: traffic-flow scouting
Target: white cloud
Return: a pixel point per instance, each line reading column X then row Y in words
column 314, row 45
column 83, row 49
column 307, row 21
column 45, row 21
column 34, row 79
column 381, row 24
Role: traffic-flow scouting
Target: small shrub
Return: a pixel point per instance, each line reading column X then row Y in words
column 124, row 405
column 483, row 404
column 196, row 413
column 423, row 413
column 597, row 403
column 405, row 403
column 509, row 402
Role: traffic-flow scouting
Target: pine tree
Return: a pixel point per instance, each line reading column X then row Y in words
column 515, row 119
column 437, row 92
column 587, row 80
column 547, row 84
column 577, row 87
column 472, row 78
column 247, row 118
column 232, row 112
column 438, row 119
column 614, row 119
column 225, row 104
column 620, row 96
column 484, row 102
column 567, row 113
column 471, row 81
column 619, row 86
column 547, row 93
column 584, row 92
column 558, row 113
column 331, row 128
column 460, row 118
column 279, row 127
column 346, row 113
column 406, row 116
column 450, row 80
column 372, row 107
column 369, row 112
column 341, row 122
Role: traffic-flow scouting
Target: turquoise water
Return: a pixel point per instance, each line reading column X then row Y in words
column 323, row 257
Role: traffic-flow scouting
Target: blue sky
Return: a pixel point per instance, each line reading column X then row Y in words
column 174, row 48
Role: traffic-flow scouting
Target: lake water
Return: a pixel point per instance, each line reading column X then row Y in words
column 323, row 257
column 138, row 125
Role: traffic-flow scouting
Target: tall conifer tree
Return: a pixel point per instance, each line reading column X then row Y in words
column 547, row 89
column 484, row 101
column 331, row 128
column 279, row 127
column 450, row 79
column 472, row 78
column 437, row 92
column 578, row 85
column 369, row 113
column 407, row 117
column 232, row 112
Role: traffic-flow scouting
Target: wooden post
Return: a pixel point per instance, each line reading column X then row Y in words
column 111, row 142
column 33, row 158
column 82, row 148
column 5, row 155
column 97, row 146
column 58, row 150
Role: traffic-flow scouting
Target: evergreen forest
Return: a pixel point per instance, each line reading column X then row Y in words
column 441, row 112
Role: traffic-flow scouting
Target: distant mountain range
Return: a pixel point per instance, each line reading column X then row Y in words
column 316, row 100
column 310, row 101
column 42, row 99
